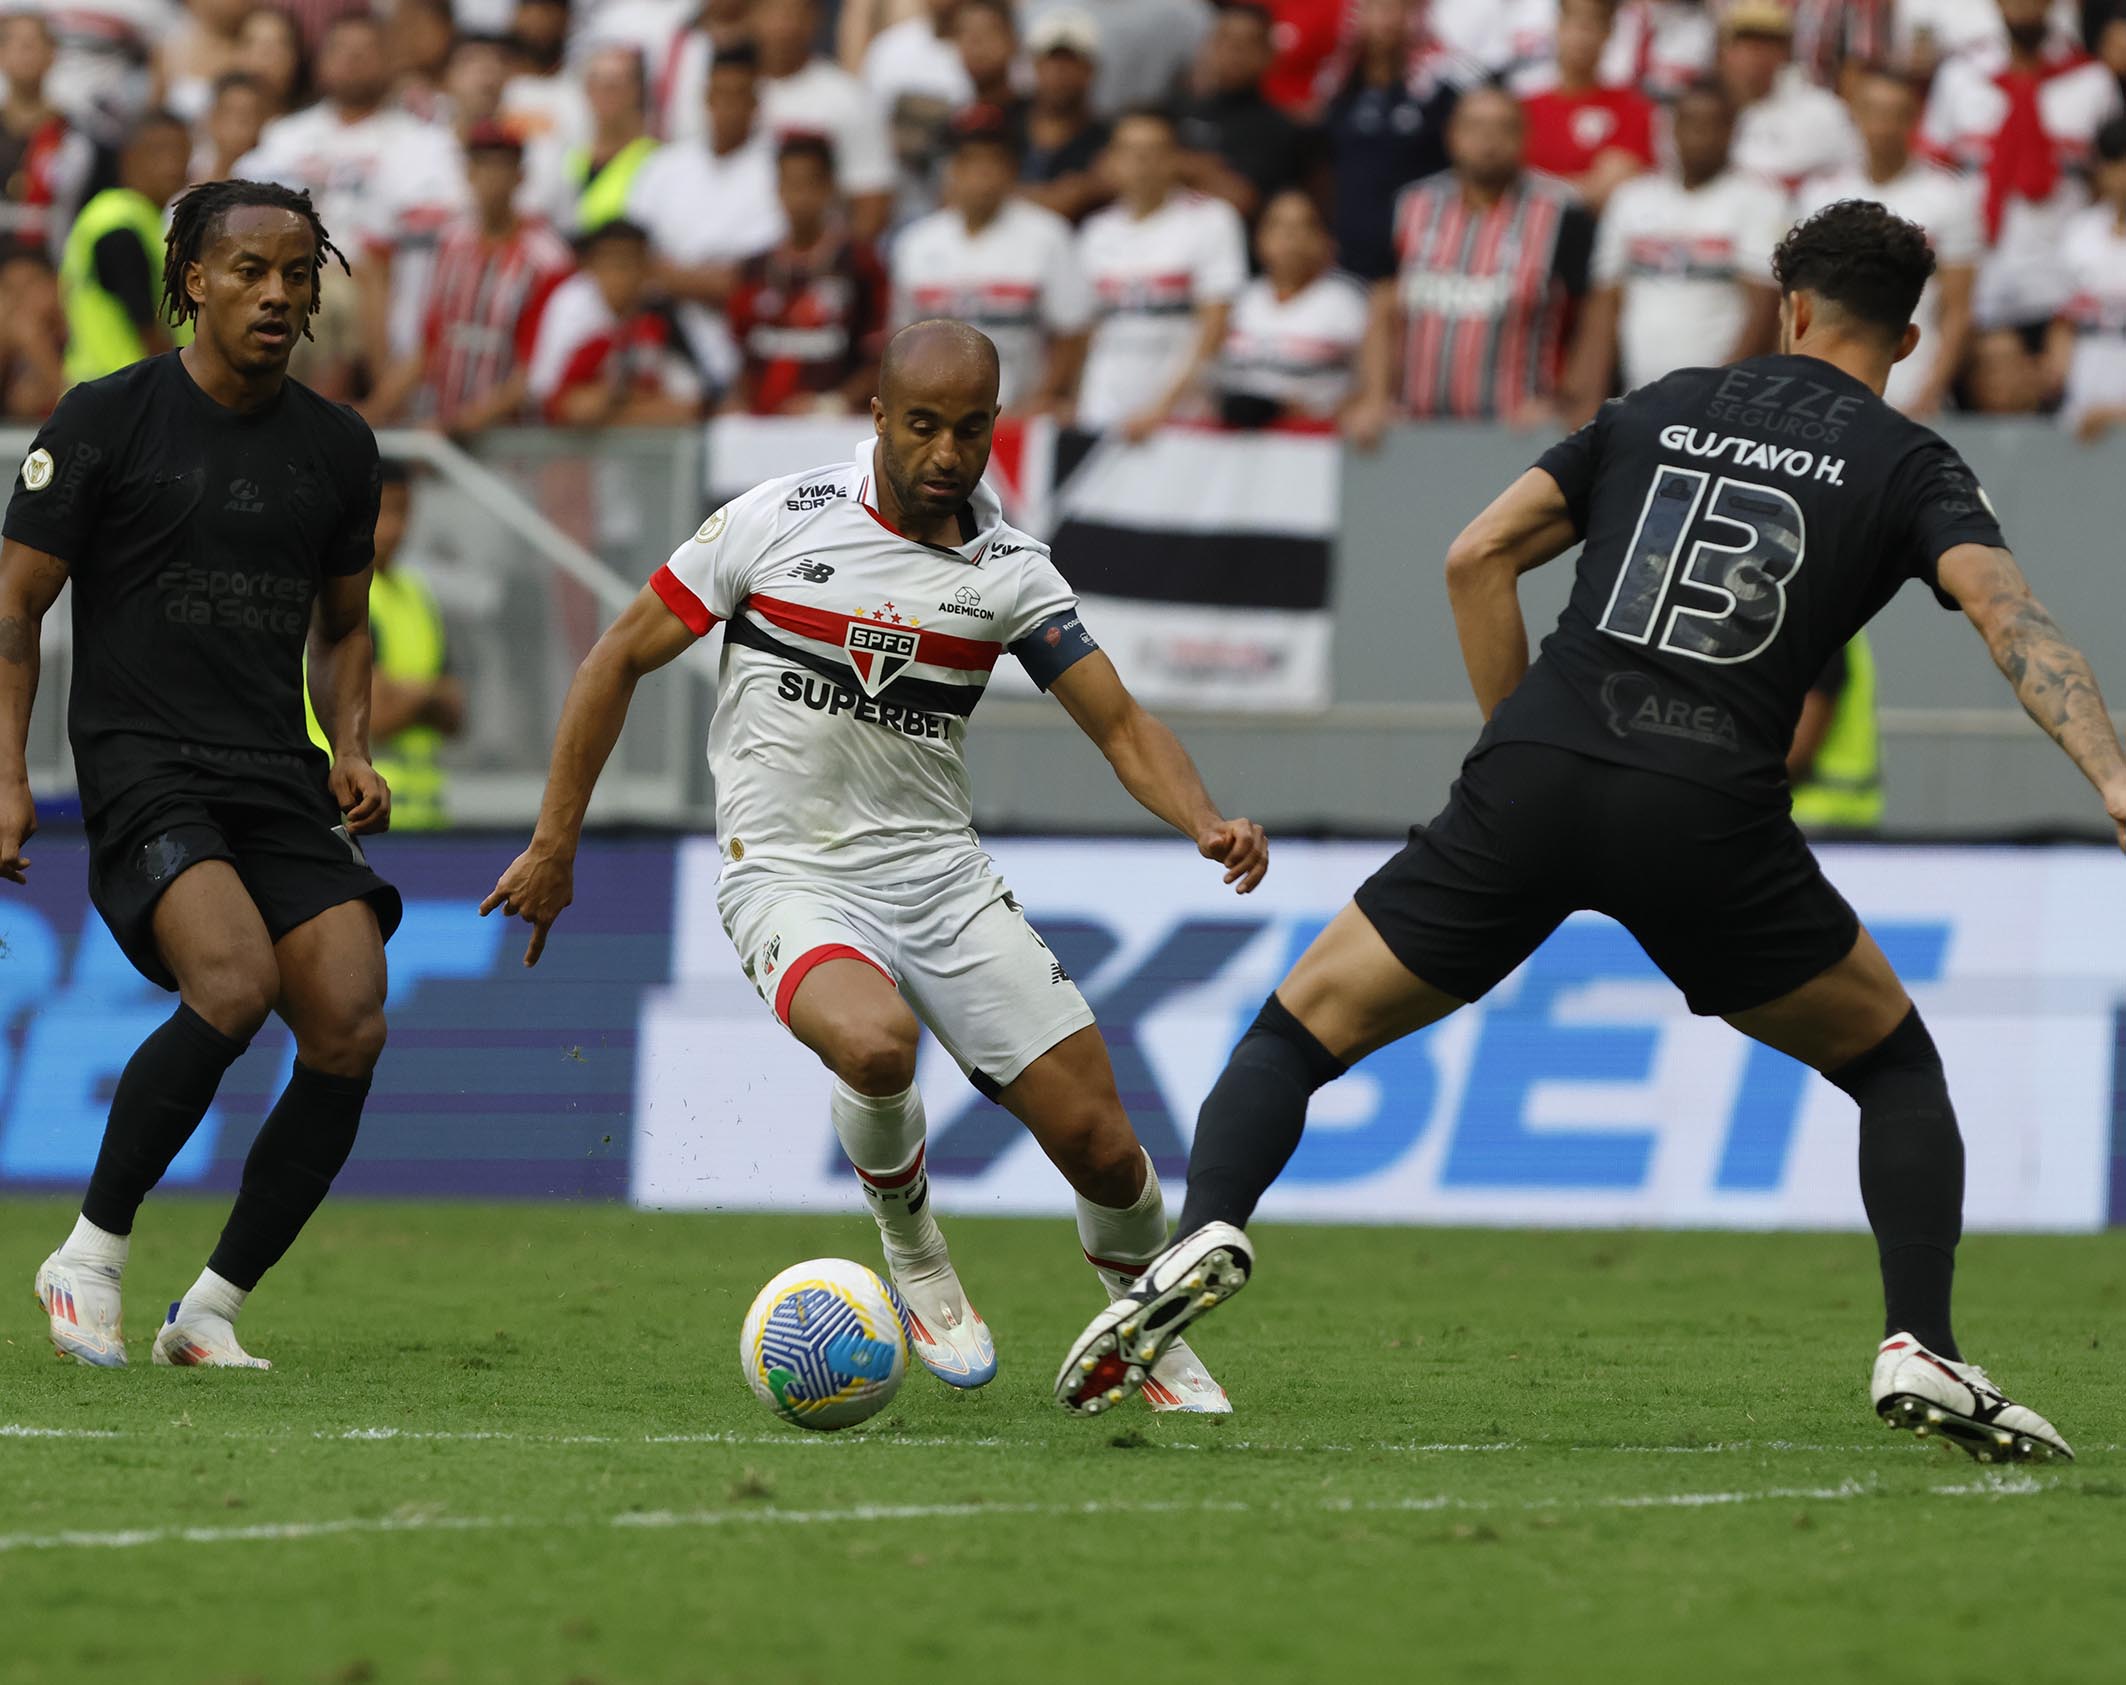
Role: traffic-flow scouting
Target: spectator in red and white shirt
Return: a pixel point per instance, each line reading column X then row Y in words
column 1786, row 127
column 606, row 354
column 1683, row 261
column 1291, row 351
column 2020, row 118
column 494, row 271
column 385, row 183
column 809, row 316
column 710, row 204
column 1661, row 47
column 1165, row 266
column 1306, row 34
column 805, row 92
column 1592, row 136
column 1493, row 260
column 2088, row 346
column 1007, row 266
column 44, row 159
column 1886, row 110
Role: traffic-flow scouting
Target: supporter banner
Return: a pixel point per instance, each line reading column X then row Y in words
column 1580, row 1092
column 498, row 1081
column 1202, row 561
column 1202, row 558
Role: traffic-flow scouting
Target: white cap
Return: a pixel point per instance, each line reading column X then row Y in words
column 1065, row 31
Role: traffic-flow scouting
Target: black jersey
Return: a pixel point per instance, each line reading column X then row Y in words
column 1739, row 525
column 196, row 537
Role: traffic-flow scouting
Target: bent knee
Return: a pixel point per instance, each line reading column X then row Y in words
column 877, row 1057
column 233, row 994
column 347, row 1044
column 1099, row 1150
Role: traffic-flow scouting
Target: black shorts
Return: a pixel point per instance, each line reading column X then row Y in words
column 1721, row 892
column 285, row 839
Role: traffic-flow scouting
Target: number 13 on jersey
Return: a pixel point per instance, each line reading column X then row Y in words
column 1738, row 548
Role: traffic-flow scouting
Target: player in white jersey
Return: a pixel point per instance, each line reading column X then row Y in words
column 863, row 606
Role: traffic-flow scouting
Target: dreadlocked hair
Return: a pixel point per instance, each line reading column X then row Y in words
column 196, row 217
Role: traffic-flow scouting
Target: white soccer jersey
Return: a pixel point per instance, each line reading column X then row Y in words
column 852, row 658
column 2019, row 280
column 1149, row 275
column 2092, row 258
column 1682, row 256
column 1946, row 206
column 1017, row 280
column 1303, row 350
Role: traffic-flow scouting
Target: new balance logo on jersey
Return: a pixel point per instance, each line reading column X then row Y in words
column 807, row 498
column 997, row 551
column 813, row 573
column 968, row 601
column 880, row 654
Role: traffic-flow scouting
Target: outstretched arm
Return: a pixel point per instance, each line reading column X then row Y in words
column 2051, row 677
column 1155, row 769
column 1527, row 525
column 29, row 584
column 540, row 882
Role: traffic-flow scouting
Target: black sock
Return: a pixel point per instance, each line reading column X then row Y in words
column 162, row 1094
column 304, row 1141
column 1253, row 1117
column 1911, row 1178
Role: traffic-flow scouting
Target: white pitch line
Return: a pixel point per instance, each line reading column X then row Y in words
column 134, row 1538
column 980, row 1442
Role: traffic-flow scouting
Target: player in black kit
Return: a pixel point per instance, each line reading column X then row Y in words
column 213, row 515
column 1738, row 526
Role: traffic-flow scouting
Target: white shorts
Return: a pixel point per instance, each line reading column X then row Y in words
column 957, row 947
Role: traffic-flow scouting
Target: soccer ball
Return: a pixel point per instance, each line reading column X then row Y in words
column 824, row 1346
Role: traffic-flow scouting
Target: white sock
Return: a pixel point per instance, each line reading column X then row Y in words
column 882, row 1137
column 1118, row 1244
column 90, row 1245
column 213, row 1295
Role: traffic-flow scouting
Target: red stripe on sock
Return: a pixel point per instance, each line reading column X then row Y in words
column 786, row 990
column 1130, row 1270
column 898, row 1178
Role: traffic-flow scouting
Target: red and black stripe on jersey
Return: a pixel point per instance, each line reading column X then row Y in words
column 1486, row 294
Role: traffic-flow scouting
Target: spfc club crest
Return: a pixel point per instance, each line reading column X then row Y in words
column 880, row 654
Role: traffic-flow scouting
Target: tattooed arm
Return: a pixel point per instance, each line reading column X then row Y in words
column 29, row 584
column 2051, row 677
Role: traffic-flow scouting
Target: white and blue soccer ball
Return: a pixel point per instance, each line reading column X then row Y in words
column 823, row 1346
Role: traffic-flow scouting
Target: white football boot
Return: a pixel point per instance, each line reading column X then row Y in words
column 1914, row 1389
column 1123, row 1346
column 201, row 1340
column 84, row 1303
column 946, row 1333
column 1179, row 1380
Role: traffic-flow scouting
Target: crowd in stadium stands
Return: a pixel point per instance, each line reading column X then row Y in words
column 1329, row 212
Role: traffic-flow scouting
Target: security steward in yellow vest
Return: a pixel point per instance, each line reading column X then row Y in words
column 414, row 702
column 602, row 175
column 110, row 272
column 1835, row 765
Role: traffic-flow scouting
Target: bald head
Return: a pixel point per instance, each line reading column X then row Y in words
column 935, row 412
column 939, row 358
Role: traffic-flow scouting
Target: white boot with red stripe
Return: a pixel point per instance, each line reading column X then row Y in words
column 945, row 1331
column 81, row 1294
column 1119, row 1244
column 1929, row 1395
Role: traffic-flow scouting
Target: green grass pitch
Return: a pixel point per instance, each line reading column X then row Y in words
column 510, row 1443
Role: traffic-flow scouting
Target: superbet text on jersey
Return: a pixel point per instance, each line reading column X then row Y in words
column 852, row 659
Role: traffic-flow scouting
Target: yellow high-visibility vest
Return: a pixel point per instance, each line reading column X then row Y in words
column 101, row 338
column 602, row 198
column 407, row 628
column 1843, row 789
